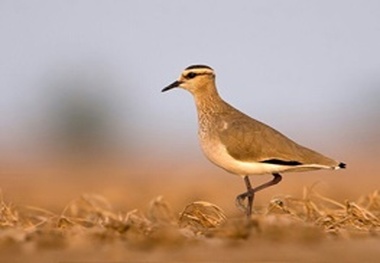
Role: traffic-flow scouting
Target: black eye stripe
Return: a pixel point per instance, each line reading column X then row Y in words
column 192, row 75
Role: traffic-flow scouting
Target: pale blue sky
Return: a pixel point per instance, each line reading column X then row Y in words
column 308, row 68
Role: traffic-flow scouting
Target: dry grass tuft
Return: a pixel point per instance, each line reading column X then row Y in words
column 91, row 219
column 201, row 216
column 361, row 217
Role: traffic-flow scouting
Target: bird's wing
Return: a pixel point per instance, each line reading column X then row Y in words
column 249, row 140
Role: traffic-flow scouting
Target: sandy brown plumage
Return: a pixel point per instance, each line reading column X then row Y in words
column 250, row 140
column 240, row 144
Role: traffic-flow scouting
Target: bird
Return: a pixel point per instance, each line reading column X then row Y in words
column 240, row 144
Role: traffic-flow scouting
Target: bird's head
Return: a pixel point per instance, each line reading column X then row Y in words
column 197, row 79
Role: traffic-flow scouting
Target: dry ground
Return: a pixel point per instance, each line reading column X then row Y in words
column 184, row 213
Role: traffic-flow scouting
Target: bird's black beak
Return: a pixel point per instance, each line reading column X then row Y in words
column 175, row 84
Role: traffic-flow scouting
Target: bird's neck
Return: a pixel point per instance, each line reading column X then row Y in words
column 208, row 102
column 210, row 108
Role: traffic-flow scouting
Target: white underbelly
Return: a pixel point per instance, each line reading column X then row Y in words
column 217, row 153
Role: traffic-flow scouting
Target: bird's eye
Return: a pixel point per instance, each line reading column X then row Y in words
column 191, row 75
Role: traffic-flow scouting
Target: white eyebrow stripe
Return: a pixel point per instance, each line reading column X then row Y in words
column 200, row 71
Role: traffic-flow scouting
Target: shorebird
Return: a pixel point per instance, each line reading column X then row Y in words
column 240, row 144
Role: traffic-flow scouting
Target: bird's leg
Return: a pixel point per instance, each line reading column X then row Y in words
column 277, row 178
column 250, row 194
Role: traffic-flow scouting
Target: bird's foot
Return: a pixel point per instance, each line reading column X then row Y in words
column 240, row 200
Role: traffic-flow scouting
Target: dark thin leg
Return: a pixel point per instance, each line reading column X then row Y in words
column 250, row 194
column 277, row 178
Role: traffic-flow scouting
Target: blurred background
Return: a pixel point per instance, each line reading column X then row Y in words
column 81, row 108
